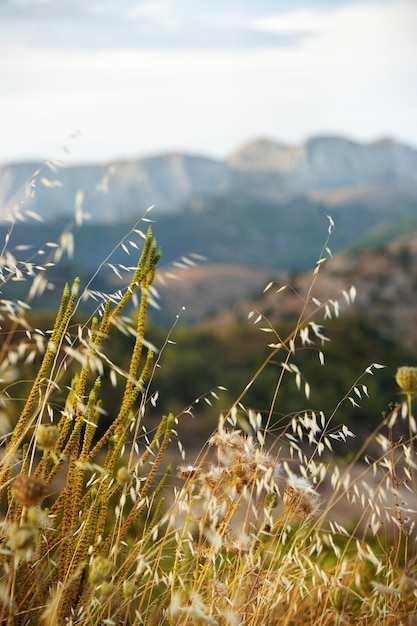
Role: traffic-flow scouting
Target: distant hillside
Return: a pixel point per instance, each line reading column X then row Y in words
column 262, row 170
column 111, row 192
column 198, row 292
column 269, row 238
column 385, row 279
column 263, row 208
column 330, row 162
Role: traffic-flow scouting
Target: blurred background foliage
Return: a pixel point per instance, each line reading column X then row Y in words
column 197, row 360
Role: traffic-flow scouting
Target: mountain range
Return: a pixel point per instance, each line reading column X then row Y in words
column 260, row 213
column 324, row 169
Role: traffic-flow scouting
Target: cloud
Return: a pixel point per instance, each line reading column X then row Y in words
column 347, row 69
column 159, row 25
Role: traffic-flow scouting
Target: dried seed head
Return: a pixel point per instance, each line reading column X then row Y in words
column 407, row 585
column 187, row 471
column 29, row 491
column 38, row 517
column 129, row 589
column 218, row 588
column 23, row 539
column 106, row 589
column 227, row 444
column 299, row 497
column 341, row 598
column 406, row 378
column 241, row 545
column 46, row 436
column 100, row 570
column 124, row 477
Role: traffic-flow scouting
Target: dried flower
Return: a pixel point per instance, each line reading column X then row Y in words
column 218, row 588
column 241, row 544
column 406, row 378
column 46, row 436
column 215, row 477
column 29, row 491
column 187, row 471
column 299, row 497
column 243, row 464
column 227, row 443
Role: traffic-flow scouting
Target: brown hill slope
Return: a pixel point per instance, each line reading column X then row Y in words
column 197, row 292
column 385, row 280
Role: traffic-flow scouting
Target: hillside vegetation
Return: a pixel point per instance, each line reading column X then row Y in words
column 101, row 525
column 248, row 460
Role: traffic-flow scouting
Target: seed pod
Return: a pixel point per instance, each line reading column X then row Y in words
column 23, row 540
column 46, row 436
column 100, row 570
column 29, row 491
column 406, row 378
column 124, row 477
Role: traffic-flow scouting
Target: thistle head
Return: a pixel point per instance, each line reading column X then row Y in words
column 299, row 497
column 406, row 378
column 29, row 491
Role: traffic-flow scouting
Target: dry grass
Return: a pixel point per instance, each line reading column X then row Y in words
column 252, row 534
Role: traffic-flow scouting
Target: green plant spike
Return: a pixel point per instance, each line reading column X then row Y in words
column 138, row 508
column 134, row 383
column 152, row 444
column 74, row 551
column 64, row 426
column 137, row 511
column 92, row 418
column 146, row 264
column 122, row 425
column 65, row 311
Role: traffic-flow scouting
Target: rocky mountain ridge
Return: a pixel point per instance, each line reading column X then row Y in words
column 263, row 169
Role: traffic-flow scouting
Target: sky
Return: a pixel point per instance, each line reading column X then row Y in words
column 105, row 80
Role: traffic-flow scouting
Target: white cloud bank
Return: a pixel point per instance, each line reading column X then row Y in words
column 349, row 70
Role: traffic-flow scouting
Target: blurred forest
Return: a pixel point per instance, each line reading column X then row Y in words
column 196, row 361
